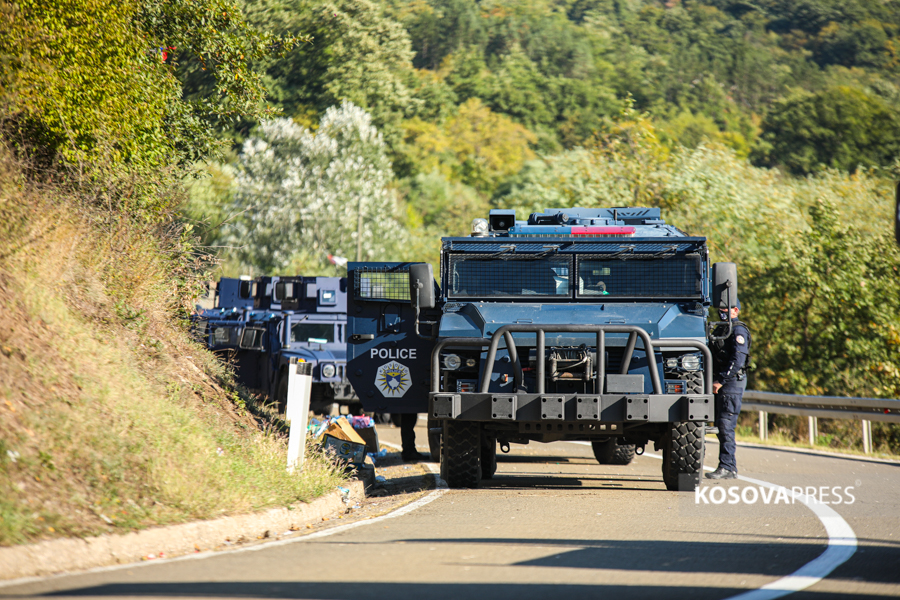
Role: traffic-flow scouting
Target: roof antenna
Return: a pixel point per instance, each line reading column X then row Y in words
column 616, row 214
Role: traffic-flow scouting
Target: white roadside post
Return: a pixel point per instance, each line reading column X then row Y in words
column 297, row 411
column 867, row 436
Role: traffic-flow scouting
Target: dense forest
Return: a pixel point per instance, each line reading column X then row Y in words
column 468, row 105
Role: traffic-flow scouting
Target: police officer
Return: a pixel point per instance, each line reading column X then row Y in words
column 408, row 438
column 731, row 359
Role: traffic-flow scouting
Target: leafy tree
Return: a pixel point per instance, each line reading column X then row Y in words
column 303, row 195
column 518, row 89
column 690, row 130
column 830, row 309
column 571, row 178
column 357, row 54
column 440, row 27
column 444, row 207
column 95, row 85
column 841, row 127
column 623, row 166
column 466, row 72
column 475, row 146
column 864, row 43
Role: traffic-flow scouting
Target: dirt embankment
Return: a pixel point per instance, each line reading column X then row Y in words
column 111, row 418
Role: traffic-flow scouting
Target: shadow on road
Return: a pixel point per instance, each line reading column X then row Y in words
column 359, row 590
column 523, row 458
column 559, row 481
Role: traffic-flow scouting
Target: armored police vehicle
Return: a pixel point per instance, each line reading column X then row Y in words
column 220, row 327
column 577, row 324
column 303, row 318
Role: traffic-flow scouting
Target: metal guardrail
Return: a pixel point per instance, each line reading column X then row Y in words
column 829, row 407
column 864, row 410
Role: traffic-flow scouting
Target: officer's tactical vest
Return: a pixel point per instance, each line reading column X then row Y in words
column 720, row 355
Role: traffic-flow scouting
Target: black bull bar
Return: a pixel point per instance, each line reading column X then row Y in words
column 506, row 332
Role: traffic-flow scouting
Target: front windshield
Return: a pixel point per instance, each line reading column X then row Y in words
column 664, row 277
column 316, row 333
column 506, row 276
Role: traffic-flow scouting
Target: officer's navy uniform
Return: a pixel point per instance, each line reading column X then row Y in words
column 732, row 357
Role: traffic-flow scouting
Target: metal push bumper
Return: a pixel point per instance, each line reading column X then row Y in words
column 581, row 408
column 596, row 407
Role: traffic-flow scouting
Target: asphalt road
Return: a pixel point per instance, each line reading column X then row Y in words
column 553, row 523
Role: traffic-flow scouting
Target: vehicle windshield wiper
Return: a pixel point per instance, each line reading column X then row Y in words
column 670, row 251
column 622, row 250
column 506, row 249
column 548, row 250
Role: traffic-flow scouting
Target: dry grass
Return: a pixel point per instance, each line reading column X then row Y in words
column 111, row 417
column 840, row 436
column 779, row 439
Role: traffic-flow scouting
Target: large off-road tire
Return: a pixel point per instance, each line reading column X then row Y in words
column 488, row 455
column 320, row 401
column 434, row 439
column 683, row 450
column 281, row 393
column 461, row 454
column 611, row 452
column 693, row 382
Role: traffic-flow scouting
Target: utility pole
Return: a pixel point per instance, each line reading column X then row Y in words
column 359, row 229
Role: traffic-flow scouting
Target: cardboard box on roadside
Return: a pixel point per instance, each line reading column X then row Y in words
column 342, row 430
column 350, row 451
column 344, row 442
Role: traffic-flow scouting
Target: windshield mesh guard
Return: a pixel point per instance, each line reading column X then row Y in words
column 638, row 276
column 491, row 276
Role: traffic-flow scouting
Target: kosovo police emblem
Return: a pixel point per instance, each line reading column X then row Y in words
column 393, row 379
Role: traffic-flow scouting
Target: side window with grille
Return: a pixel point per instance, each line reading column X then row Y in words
column 382, row 283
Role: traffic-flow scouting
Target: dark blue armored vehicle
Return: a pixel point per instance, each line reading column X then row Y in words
column 220, row 327
column 577, row 324
column 303, row 318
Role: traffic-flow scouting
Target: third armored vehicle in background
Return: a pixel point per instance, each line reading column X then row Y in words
column 270, row 320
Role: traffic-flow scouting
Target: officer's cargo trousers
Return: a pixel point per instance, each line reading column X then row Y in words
column 728, row 407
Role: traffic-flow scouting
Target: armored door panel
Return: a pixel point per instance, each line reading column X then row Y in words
column 388, row 364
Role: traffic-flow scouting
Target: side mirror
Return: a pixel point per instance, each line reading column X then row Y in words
column 421, row 285
column 252, row 339
column 725, row 285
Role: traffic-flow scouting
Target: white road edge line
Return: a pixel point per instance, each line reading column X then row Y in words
column 841, row 545
column 440, row 490
column 842, row 541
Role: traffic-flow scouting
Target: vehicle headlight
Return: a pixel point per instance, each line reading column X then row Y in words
column 471, row 362
column 690, row 362
column 671, row 363
column 328, row 371
column 452, row 362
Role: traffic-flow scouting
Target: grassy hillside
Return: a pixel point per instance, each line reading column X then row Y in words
column 111, row 417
